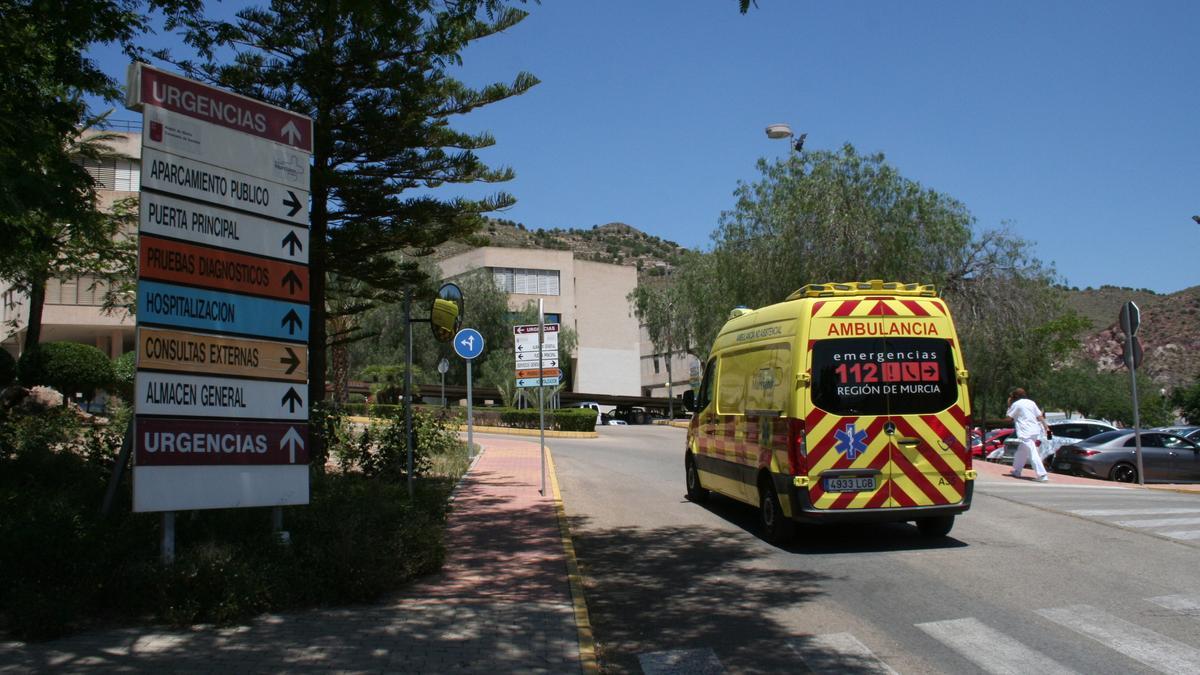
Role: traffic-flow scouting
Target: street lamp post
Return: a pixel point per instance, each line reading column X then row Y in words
column 777, row 131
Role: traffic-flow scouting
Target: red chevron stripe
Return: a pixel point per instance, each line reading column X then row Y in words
column 817, row 305
column 936, row 460
column 939, row 307
column 881, row 308
column 881, row 496
column 901, row 496
column 960, row 416
column 843, row 500
column 817, row 447
column 918, row 479
column 847, row 307
column 915, row 307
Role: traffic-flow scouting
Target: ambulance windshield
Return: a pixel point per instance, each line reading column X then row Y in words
column 877, row 376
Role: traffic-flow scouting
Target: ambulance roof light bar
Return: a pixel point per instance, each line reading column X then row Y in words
column 863, row 288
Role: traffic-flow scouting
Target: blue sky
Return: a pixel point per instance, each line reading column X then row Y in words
column 1073, row 122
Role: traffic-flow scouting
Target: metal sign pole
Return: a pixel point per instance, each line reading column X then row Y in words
column 470, row 416
column 408, row 365
column 168, row 537
column 1137, row 422
column 541, row 394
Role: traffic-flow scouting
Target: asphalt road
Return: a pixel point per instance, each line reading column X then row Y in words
column 1033, row 579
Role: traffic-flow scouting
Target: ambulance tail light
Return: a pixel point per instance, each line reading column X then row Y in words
column 797, row 452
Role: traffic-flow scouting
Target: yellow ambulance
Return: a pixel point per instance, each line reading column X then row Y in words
column 847, row 402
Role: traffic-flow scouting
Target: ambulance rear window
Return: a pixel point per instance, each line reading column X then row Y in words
column 877, row 376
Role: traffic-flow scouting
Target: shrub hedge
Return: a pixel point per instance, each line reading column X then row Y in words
column 63, row 565
column 561, row 419
column 69, row 367
column 8, row 368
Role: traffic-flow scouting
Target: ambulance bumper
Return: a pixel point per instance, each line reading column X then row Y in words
column 803, row 511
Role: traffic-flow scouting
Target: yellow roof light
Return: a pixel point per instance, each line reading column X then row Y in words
column 863, row 288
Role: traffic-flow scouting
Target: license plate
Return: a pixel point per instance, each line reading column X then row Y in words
column 850, row 484
column 1063, row 465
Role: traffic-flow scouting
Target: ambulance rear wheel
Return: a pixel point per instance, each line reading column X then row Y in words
column 695, row 491
column 935, row 527
column 777, row 528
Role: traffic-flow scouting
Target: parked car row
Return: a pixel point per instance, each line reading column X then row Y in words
column 1099, row 450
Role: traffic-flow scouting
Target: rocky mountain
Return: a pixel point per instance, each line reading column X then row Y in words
column 1169, row 333
column 615, row 243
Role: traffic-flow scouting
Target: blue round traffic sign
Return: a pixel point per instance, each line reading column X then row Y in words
column 468, row 343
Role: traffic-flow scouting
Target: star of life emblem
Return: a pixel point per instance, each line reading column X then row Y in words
column 851, row 442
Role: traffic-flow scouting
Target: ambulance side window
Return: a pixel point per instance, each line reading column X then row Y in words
column 706, row 385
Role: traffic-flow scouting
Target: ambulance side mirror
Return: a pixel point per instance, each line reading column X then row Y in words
column 689, row 401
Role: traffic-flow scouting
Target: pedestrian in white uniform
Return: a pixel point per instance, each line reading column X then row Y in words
column 1029, row 424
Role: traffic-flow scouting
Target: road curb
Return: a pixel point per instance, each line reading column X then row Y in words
column 583, row 622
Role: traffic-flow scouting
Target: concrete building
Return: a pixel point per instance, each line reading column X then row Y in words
column 659, row 380
column 589, row 297
column 73, row 308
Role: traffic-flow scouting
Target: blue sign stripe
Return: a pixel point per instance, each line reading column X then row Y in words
column 183, row 307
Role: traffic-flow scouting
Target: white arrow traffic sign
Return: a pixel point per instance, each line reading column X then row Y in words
column 178, row 395
column 217, row 185
column 212, row 225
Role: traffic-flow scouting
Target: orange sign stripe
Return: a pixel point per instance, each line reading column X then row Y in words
column 218, row 269
column 183, row 352
column 534, row 372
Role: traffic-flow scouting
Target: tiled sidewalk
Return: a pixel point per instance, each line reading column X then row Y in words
column 502, row 603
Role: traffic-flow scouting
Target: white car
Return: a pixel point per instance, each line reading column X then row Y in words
column 1063, row 432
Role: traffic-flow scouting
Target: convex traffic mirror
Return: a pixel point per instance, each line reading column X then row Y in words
column 445, row 316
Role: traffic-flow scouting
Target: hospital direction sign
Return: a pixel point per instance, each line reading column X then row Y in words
column 221, row 395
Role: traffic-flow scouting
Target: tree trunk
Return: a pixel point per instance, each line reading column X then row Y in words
column 37, row 301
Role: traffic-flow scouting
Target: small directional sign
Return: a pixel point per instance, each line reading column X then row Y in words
column 183, row 307
column 225, row 187
column 535, row 382
column 177, row 262
column 534, row 372
column 196, row 222
column 179, row 395
column 178, row 351
column 468, row 343
column 549, row 360
column 197, row 442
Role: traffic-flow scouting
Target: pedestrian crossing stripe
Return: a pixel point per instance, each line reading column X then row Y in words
column 990, row 649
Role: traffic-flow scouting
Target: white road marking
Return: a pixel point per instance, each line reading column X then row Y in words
column 1158, row 651
column 1158, row 522
column 1184, row 604
column 680, row 661
column 1132, row 512
column 991, row 650
column 837, row 653
column 1185, row 535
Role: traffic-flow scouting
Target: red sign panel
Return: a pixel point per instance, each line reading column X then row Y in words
column 220, row 269
column 192, row 442
column 202, row 102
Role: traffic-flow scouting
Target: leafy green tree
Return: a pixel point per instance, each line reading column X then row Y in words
column 69, row 367
column 48, row 206
column 1187, row 399
column 376, row 79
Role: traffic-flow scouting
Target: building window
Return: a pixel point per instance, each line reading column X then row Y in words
column 526, row 281
column 82, row 291
column 656, row 365
column 121, row 175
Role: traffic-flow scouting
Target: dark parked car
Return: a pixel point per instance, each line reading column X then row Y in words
column 631, row 415
column 1166, row 458
column 1189, row 431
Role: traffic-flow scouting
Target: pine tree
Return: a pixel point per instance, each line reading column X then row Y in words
column 375, row 76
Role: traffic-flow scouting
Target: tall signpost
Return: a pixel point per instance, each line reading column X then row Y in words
column 536, row 351
column 223, row 301
column 1131, row 318
column 468, row 343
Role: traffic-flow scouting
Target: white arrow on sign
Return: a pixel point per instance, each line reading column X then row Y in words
column 291, row 439
column 290, row 132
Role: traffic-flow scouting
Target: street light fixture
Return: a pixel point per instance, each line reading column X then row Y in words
column 777, row 131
